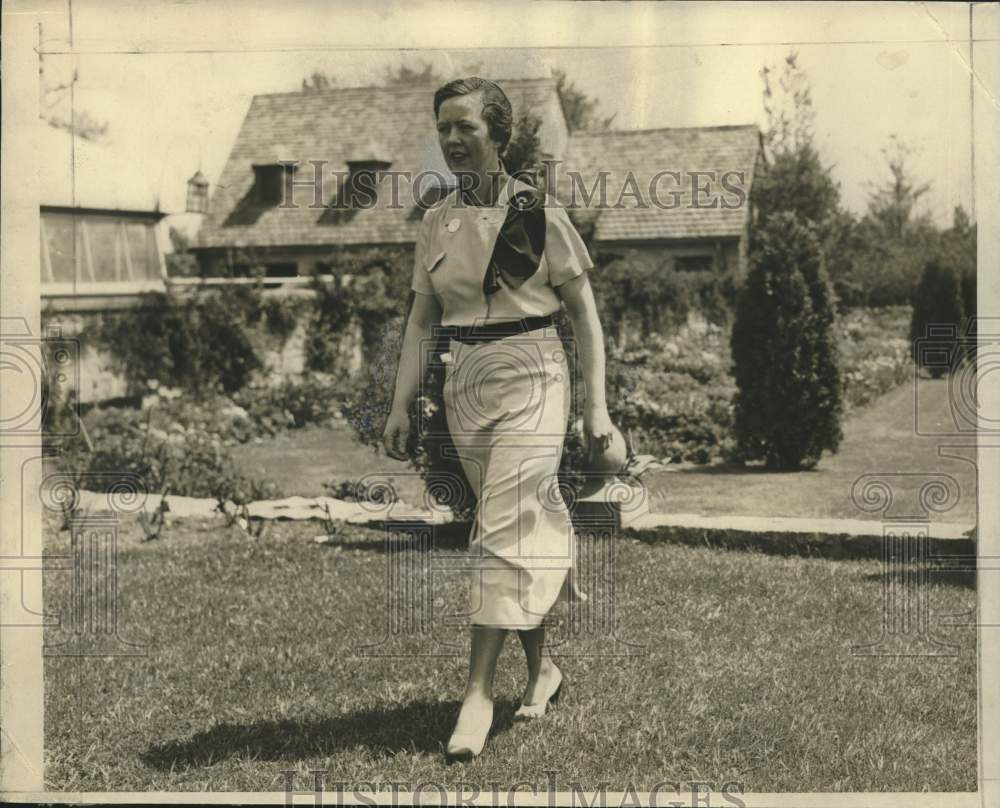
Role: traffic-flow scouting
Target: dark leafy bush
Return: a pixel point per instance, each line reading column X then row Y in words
column 785, row 363
column 365, row 287
column 332, row 316
column 850, row 294
column 937, row 316
column 281, row 316
column 199, row 343
column 641, row 292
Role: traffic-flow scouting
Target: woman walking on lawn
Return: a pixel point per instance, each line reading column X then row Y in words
column 493, row 263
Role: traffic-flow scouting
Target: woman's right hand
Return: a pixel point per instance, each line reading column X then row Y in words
column 397, row 430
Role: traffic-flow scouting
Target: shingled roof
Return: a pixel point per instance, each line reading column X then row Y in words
column 716, row 149
column 336, row 126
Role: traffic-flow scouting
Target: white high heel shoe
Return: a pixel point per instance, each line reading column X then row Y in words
column 464, row 746
column 528, row 711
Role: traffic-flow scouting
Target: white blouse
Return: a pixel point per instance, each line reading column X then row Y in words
column 453, row 250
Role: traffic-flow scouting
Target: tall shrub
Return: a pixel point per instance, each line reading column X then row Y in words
column 787, row 407
column 937, row 316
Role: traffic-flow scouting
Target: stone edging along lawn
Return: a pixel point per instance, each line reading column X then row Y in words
column 829, row 538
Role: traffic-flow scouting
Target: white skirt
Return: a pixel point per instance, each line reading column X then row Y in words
column 507, row 404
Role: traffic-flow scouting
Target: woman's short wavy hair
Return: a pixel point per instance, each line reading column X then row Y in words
column 497, row 112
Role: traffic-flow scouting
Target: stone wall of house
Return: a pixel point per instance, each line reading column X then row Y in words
column 92, row 372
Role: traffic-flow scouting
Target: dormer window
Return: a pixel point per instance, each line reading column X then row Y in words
column 363, row 179
column 271, row 173
column 268, row 179
column 365, row 168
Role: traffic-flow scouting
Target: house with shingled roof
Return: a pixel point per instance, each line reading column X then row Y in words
column 358, row 142
column 680, row 196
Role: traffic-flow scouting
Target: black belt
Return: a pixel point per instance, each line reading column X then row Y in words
column 488, row 332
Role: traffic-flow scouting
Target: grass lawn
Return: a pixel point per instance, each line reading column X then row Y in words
column 878, row 439
column 252, row 669
column 301, row 460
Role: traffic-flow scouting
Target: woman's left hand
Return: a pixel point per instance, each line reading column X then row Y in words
column 597, row 431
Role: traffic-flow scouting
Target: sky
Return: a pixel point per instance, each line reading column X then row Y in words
column 174, row 80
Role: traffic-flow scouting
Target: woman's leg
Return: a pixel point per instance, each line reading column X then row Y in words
column 487, row 642
column 540, row 668
column 478, row 699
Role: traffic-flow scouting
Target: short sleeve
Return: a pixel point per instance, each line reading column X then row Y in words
column 421, row 278
column 565, row 253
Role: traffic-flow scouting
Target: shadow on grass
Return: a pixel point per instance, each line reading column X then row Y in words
column 422, row 726
column 963, row 578
column 382, row 535
column 831, row 546
column 738, row 469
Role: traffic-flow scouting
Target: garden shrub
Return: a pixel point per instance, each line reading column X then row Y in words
column 294, row 403
column 281, row 316
column 937, row 316
column 331, row 317
column 672, row 396
column 643, row 292
column 785, row 364
column 849, row 293
column 365, row 287
column 199, row 343
column 167, row 455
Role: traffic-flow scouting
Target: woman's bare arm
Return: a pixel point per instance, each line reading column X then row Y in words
column 582, row 310
column 425, row 313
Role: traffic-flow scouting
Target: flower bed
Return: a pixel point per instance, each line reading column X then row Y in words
column 673, row 395
column 874, row 352
column 183, row 445
column 169, row 455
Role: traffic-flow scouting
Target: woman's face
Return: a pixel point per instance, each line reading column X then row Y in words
column 464, row 136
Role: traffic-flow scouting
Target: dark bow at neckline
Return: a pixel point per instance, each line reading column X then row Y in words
column 518, row 250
